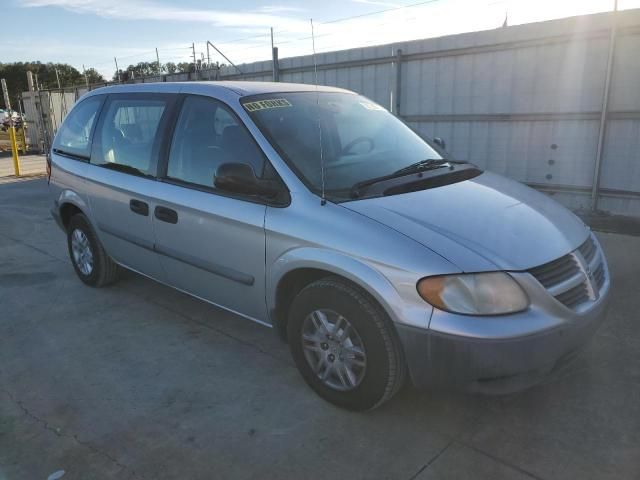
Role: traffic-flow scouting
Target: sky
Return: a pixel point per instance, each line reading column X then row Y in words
column 93, row 32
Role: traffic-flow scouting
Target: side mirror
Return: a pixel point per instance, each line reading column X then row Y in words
column 240, row 178
column 440, row 142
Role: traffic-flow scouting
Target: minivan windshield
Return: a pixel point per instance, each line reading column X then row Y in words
column 358, row 139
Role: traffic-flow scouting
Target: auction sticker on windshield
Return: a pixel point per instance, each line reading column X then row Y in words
column 265, row 104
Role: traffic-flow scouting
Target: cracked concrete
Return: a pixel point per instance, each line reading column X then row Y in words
column 140, row 381
column 58, row 432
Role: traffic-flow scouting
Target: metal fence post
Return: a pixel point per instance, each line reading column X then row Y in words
column 276, row 64
column 274, row 60
column 398, row 79
column 605, row 107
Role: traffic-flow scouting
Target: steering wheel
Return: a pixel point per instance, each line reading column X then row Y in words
column 346, row 150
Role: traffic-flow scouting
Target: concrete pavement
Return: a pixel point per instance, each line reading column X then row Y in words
column 30, row 165
column 140, row 381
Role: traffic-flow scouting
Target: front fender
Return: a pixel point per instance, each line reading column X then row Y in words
column 402, row 304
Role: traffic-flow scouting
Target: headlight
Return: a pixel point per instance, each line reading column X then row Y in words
column 492, row 293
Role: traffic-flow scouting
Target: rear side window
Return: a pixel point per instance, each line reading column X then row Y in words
column 74, row 136
column 128, row 135
column 207, row 135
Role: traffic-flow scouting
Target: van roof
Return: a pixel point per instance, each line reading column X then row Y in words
column 241, row 88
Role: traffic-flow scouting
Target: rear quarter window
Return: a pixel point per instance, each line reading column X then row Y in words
column 74, row 136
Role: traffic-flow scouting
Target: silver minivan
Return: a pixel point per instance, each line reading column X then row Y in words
column 315, row 211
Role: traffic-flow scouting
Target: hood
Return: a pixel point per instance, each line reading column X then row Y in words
column 486, row 223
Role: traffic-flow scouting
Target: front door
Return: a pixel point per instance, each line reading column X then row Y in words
column 210, row 244
column 121, row 177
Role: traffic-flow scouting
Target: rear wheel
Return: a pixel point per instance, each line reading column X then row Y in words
column 344, row 345
column 90, row 261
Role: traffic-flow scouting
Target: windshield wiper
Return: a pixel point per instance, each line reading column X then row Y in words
column 421, row 166
column 428, row 164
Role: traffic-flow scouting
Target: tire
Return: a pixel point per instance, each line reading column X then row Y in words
column 371, row 340
column 103, row 270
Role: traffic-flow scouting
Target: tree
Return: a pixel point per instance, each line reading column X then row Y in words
column 16, row 76
column 141, row 69
column 144, row 69
column 186, row 67
column 93, row 76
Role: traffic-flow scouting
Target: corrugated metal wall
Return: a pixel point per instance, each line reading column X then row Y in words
column 523, row 101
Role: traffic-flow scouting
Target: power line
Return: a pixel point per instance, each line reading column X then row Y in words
column 380, row 11
column 280, row 32
column 137, row 54
column 330, row 22
column 228, row 42
column 327, row 22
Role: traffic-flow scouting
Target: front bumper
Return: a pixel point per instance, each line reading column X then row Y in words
column 477, row 357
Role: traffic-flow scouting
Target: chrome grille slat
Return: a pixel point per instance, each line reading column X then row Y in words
column 595, row 262
column 556, row 271
column 574, row 296
column 599, row 275
column 568, row 284
column 588, row 249
column 576, row 278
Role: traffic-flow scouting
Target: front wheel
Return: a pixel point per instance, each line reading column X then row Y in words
column 344, row 345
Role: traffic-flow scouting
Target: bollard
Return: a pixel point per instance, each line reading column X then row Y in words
column 22, row 140
column 14, row 150
column 12, row 129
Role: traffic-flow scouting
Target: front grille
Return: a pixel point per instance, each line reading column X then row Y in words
column 555, row 272
column 576, row 278
column 599, row 275
column 574, row 296
column 588, row 250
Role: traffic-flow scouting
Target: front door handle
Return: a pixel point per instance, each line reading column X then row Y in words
column 139, row 207
column 165, row 214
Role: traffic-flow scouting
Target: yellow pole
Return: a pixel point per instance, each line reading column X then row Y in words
column 22, row 140
column 14, row 150
column 12, row 128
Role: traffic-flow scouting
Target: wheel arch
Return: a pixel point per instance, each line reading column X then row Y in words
column 298, row 268
column 70, row 203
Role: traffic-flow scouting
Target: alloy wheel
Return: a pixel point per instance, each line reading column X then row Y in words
column 334, row 350
column 82, row 254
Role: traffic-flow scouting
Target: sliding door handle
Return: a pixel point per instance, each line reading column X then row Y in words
column 165, row 214
column 139, row 207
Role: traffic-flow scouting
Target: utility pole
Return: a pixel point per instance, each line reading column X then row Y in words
column 193, row 48
column 158, row 60
column 208, row 57
column 117, row 70
column 58, row 78
column 86, row 79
